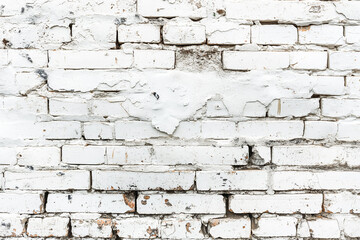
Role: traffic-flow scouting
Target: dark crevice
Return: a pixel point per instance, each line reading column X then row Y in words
column 71, row 29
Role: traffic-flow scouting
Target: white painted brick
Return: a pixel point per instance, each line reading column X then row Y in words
column 31, row 104
column 184, row 34
column 180, row 203
column 97, row 228
column 254, row 109
column 324, row 228
column 349, row 9
column 188, row 130
column 39, row 156
column 202, row 155
column 28, row 58
column 352, row 34
column 351, row 226
column 159, row 8
column 353, row 86
column 90, row 203
column 55, row 180
column 275, row 226
column 261, row 155
column 230, row 228
column 218, row 129
column 11, row 225
column 309, row 60
column 293, row 107
column 26, row 81
column 227, row 33
column 328, row 85
column 344, row 202
column 61, row 129
column 181, row 229
column 90, row 59
column 340, row 107
column 273, row 34
column 270, row 130
column 300, row 13
column 321, row 35
column 121, row 180
column 7, row 156
column 303, row 229
column 288, row 180
column 320, row 130
column 162, row 59
column 216, row 108
column 344, row 60
column 98, row 130
column 314, row 155
column 108, row 107
column 66, row 106
column 235, row 180
column 278, row 203
column 139, row 33
column 21, row 202
column 122, row 155
column 236, row 60
column 48, row 227
column 144, row 227
column 83, row 155
column 136, row 130
column 348, row 131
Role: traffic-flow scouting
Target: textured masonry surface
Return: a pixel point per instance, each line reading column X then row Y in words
column 179, row 119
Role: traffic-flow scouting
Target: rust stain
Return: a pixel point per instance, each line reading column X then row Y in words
column 304, row 29
column 126, row 157
column 167, row 203
column 128, row 201
column 188, row 225
column 103, row 222
column 152, row 232
column 147, row 197
column 214, row 222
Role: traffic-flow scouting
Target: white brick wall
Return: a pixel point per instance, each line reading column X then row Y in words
column 179, row 119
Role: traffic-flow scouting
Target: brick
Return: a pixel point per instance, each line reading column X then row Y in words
column 123, row 155
column 236, row 60
column 344, row 202
column 351, row 226
column 38, row 156
column 348, row 131
column 230, row 228
column 108, row 108
column 180, row 203
column 48, row 227
column 216, row 108
column 184, row 34
column 90, row 203
column 254, row 109
column 293, row 107
column 31, row 104
column 353, row 86
column 11, row 225
column 159, row 8
column 8, row 156
column 28, row 58
column 309, row 60
column 188, row 130
column 96, row 228
column 26, row 81
column 321, row 35
column 270, row 130
column 300, row 13
column 162, row 59
column 174, row 229
column 344, row 60
column 324, row 228
column 275, row 226
column 328, row 85
column 314, row 155
column 90, row 59
column 61, row 129
column 66, row 106
column 261, row 155
column 278, row 203
column 83, row 155
column 21, row 202
column 55, row 180
column 352, row 34
column 340, row 107
column 218, row 129
column 331, row 180
column 227, row 33
column 320, row 129
column 144, row 227
column 349, row 9
column 139, row 33
column 235, row 180
column 136, row 130
column 121, row 180
column 273, row 34
column 98, row 130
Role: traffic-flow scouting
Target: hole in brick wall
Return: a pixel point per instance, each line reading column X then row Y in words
column 71, row 30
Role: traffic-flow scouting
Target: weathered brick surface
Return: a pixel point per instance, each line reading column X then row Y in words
column 179, row 119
